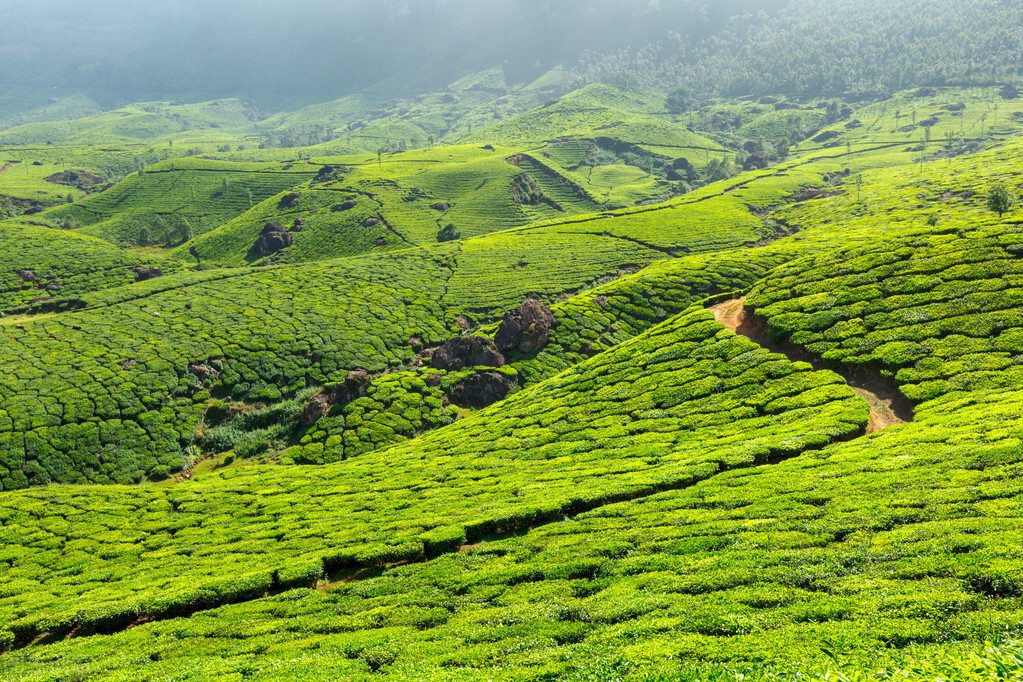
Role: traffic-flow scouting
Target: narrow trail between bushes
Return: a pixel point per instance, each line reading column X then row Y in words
column 887, row 404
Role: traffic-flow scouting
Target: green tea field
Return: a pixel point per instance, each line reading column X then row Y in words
column 512, row 380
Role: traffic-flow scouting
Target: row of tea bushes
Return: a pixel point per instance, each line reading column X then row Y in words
column 675, row 405
column 40, row 262
column 853, row 552
column 939, row 311
column 146, row 365
column 404, row 405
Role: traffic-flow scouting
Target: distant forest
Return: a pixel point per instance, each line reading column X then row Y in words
column 120, row 51
column 830, row 47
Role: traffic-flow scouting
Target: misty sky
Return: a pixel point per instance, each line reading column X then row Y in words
column 312, row 50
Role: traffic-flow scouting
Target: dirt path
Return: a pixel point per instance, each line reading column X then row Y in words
column 887, row 404
column 6, row 167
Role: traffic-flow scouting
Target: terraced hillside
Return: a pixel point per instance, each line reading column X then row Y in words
column 39, row 265
column 142, row 121
column 356, row 205
column 174, row 201
column 298, row 471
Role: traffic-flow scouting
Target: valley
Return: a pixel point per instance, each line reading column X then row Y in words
column 522, row 379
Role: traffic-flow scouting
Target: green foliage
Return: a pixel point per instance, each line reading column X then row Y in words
column 820, row 50
column 109, row 394
column 936, row 310
column 179, row 199
column 599, row 433
column 660, row 500
column 998, row 199
column 851, row 549
column 39, row 262
column 448, row 233
column 680, row 100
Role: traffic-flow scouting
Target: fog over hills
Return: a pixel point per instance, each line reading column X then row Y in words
column 282, row 56
column 121, row 50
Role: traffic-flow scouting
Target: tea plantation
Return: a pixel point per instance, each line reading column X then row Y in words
column 899, row 542
column 675, row 405
column 41, row 263
column 222, row 460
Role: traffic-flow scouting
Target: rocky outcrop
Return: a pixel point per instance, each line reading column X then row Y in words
column 143, row 273
column 1009, row 92
column 481, row 389
column 467, row 351
column 289, row 200
column 441, row 206
column 27, row 275
column 682, row 169
column 203, row 373
column 327, row 173
column 527, row 328
column 317, row 408
column 355, row 386
column 273, row 239
column 754, row 162
column 83, row 180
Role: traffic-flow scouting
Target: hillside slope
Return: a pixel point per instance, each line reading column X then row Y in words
column 652, row 495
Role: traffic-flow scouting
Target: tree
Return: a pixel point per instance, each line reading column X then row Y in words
column 159, row 229
column 448, row 233
column 951, row 142
column 999, row 199
column 718, row 169
column 182, row 229
column 679, row 100
column 782, row 147
column 832, row 113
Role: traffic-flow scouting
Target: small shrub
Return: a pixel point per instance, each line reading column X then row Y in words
column 449, row 233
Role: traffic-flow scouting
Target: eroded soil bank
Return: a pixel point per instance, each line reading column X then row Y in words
column 887, row 404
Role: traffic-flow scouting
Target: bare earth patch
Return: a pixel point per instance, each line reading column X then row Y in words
column 887, row 405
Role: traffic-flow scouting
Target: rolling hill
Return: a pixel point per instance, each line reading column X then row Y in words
column 763, row 425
